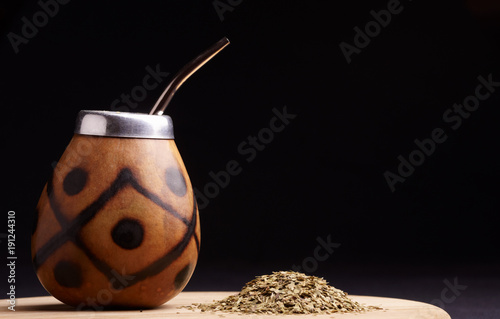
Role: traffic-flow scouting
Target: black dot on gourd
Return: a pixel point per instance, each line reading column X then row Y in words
column 75, row 181
column 182, row 277
column 128, row 233
column 175, row 181
column 68, row 274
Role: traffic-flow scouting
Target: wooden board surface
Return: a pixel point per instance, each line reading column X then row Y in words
column 49, row 307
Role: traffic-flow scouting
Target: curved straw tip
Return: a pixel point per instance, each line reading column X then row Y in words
column 185, row 73
column 223, row 42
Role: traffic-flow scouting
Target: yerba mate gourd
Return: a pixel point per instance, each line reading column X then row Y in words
column 117, row 223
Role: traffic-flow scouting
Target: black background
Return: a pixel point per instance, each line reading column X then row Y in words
column 323, row 174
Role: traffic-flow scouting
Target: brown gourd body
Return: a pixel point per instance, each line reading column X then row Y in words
column 117, row 224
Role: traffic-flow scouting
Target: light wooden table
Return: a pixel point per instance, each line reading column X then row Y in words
column 49, row 307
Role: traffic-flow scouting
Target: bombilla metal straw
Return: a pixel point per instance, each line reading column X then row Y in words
column 185, row 73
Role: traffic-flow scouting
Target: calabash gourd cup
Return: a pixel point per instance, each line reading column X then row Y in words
column 117, row 223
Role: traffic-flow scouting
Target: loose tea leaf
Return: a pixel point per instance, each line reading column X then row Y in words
column 286, row 292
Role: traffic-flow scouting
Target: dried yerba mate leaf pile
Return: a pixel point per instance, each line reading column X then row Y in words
column 286, row 292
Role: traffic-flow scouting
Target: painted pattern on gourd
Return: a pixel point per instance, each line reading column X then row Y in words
column 128, row 233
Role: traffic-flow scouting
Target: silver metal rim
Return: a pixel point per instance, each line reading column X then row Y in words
column 123, row 124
